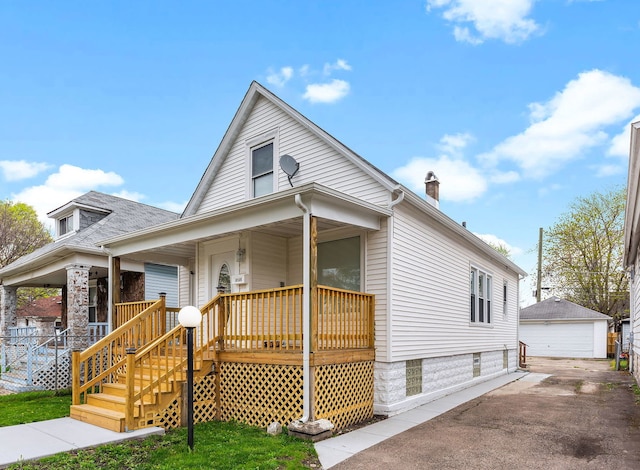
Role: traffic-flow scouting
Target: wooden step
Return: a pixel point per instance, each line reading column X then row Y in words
column 101, row 417
column 120, row 389
column 114, row 403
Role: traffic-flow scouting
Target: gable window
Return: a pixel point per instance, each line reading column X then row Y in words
column 481, row 295
column 65, row 225
column 262, row 169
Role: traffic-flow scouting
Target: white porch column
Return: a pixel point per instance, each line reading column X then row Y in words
column 8, row 315
column 78, row 305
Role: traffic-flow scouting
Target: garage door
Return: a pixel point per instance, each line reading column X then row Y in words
column 558, row 339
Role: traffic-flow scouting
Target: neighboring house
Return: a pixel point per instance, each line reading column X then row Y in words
column 632, row 247
column 74, row 263
column 558, row 328
column 43, row 315
column 283, row 203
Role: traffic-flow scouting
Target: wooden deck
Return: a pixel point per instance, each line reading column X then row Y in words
column 248, row 359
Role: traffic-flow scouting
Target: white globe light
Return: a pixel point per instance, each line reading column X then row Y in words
column 189, row 316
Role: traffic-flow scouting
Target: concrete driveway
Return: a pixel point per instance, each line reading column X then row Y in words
column 581, row 416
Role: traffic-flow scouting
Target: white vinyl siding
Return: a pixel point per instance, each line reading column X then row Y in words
column 376, row 278
column 161, row 278
column 319, row 162
column 268, row 261
column 185, row 286
column 430, row 289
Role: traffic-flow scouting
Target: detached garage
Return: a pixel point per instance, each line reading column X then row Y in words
column 559, row 328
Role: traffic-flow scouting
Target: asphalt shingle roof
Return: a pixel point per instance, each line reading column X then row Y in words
column 556, row 308
column 125, row 216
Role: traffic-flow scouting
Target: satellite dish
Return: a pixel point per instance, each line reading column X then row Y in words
column 290, row 166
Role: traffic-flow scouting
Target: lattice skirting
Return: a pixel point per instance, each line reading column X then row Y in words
column 46, row 378
column 343, row 393
column 259, row 394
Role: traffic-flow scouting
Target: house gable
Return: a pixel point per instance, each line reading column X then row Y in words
column 263, row 118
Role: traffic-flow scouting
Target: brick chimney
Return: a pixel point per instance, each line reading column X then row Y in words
column 433, row 189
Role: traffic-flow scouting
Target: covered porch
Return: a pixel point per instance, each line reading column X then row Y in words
column 278, row 342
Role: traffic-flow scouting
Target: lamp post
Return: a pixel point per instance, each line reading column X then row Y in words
column 189, row 317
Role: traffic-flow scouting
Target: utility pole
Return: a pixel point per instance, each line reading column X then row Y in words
column 539, row 286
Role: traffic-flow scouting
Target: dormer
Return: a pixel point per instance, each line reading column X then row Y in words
column 73, row 217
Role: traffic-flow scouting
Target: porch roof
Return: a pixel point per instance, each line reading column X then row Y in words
column 277, row 213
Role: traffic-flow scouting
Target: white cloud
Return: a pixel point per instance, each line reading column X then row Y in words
column 570, row 123
column 130, row 195
column 504, row 177
column 330, row 92
column 281, row 77
column 15, row 170
column 453, row 144
column 505, row 20
column 66, row 184
column 496, row 241
column 603, row 171
column 620, row 144
column 339, row 64
column 459, row 181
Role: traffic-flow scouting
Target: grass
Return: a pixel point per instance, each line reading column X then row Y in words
column 30, row 407
column 218, row 445
column 636, row 392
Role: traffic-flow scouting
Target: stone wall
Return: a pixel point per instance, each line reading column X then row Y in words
column 440, row 376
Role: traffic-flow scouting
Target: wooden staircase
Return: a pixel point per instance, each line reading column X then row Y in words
column 107, row 408
column 127, row 379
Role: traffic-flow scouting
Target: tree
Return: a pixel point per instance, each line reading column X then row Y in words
column 500, row 248
column 20, row 231
column 583, row 254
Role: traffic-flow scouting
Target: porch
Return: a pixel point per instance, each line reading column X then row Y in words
column 251, row 363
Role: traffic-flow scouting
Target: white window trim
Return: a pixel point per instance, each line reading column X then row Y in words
column 76, row 224
column 261, row 140
column 486, row 299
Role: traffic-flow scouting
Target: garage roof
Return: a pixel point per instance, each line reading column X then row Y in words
column 556, row 308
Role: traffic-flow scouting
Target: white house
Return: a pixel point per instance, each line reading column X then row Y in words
column 558, row 328
column 284, row 203
column 632, row 247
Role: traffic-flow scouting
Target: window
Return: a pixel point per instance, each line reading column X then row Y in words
column 224, row 280
column 93, row 302
column 481, row 295
column 262, row 169
column 65, row 225
column 339, row 263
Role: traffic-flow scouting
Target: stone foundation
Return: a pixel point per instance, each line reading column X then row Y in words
column 440, row 376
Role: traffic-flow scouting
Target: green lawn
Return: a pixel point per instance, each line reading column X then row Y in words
column 29, row 407
column 218, row 445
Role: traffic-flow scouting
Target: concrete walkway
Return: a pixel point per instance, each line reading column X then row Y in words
column 44, row 438
column 336, row 449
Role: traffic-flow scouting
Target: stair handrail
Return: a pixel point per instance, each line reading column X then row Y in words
column 108, row 355
column 151, row 377
column 28, row 352
column 39, row 352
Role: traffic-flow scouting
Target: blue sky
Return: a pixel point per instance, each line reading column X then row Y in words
column 519, row 106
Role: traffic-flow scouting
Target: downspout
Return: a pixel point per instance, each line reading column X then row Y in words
column 306, row 308
column 109, row 287
column 390, row 230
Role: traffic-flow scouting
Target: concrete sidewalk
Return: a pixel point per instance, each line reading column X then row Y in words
column 44, row 438
column 336, row 449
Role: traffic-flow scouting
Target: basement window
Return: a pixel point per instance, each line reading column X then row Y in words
column 414, row 377
column 476, row 364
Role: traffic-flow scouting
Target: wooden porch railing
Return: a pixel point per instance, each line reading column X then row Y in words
column 342, row 320
column 126, row 311
column 106, row 358
column 522, row 354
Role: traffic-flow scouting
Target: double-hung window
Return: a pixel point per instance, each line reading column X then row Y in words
column 65, row 225
column 481, row 291
column 262, row 169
